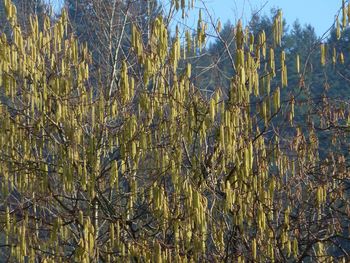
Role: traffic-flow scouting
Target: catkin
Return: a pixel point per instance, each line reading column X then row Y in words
column 254, row 249
column 323, row 54
column 344, row 14
column 298, row 63
column 341, row 58
column 272, row 62
column 295, row 247
column 338, row 31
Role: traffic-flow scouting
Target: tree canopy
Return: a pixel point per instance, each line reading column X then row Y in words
column 132, row 143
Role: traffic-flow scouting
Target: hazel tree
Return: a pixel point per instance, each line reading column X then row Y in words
column 150, row 169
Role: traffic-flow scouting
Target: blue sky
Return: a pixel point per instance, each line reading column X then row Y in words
column 319, row 13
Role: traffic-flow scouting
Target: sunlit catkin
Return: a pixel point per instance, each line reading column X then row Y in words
column 323, row 54
column 297, row 63
column 338, row 31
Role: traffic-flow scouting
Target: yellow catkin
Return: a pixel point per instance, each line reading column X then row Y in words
column 278, row 29
column 292, row 104
column 218, row 26
column 254, row 249
column 284, row 75
column 188, row 70
column 338, row 31
column 323, row 54
column 212, row 109
column 298, row 63
column 344, row 14
column 295, row 247
column 341, row 58
column 251, row 42
column 263, row 43
column 276, row 99
column 272, row 61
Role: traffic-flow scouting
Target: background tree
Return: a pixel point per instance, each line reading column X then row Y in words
column 105, row 26
column 25, row 8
